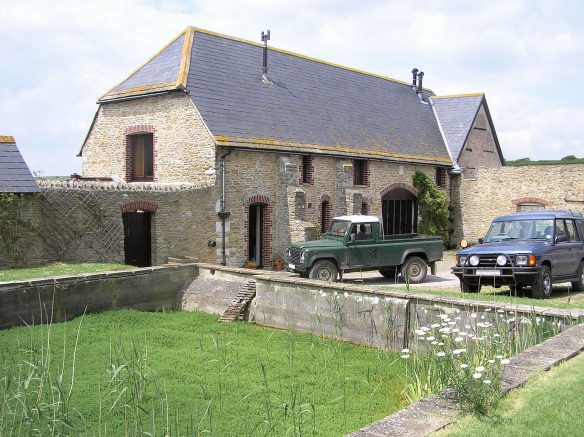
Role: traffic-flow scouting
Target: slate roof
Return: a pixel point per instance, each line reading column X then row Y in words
column 456, row 115
column 15, row 177
column 312, row 106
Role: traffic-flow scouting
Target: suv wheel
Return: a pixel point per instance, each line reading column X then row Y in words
column 579, row 284
column 414, row 270
column 465, row 287
column 323, row 270
column 542, row 289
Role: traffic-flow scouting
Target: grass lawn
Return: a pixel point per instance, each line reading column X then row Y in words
column 185, row 373
column 57, row 269
column 549, row 405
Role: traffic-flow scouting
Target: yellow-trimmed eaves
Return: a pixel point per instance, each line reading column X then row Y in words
column 458, row 95
column 181, row 81
column 113, row 94
column 270, row 144
column 6, row 139
column 185, row 59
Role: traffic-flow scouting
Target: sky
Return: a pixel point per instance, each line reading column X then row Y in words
column 527, row 56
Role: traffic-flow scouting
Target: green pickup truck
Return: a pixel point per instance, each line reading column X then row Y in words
column 356, row 243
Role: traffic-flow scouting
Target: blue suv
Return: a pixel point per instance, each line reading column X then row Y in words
column 532, row 249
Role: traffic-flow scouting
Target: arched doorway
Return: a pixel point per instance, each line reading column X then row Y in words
column 326, row 213
column 259, row 231
column 399, row 210
column 137, row 218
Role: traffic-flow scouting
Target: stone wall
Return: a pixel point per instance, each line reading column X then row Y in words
column 184, row 150
column 498, row 191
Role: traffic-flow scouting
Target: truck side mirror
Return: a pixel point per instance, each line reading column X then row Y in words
column 561, row 238
column 352, row 237
column 481, row 240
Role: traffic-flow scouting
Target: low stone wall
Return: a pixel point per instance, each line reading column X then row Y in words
column 62, row 298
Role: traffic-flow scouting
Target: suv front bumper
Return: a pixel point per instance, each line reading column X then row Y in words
column 295, row 267
column 497, row 276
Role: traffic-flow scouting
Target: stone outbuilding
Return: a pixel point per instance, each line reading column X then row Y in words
column 278, row 142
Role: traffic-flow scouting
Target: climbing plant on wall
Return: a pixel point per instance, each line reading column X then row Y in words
column 432, row 207
column 9, row 222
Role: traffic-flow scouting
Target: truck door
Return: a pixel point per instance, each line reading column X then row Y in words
column 567, row 250
column 361, row 247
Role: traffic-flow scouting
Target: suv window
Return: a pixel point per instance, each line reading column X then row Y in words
column 571, row 230
column 580, row 226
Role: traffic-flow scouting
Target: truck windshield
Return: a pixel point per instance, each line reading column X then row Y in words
column 339, row 228
column 520, row 230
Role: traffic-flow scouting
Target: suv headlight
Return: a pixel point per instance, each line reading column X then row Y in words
column 474, row 260
column 301, row 257
column 501, row 260
column 525, row 260
column 461, row 260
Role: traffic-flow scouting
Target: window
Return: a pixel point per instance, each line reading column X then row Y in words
column 361, row 232
column 532, row 206
column 360, row 172
column 441, row 177
column 142, row 157
column 570, row 230
column 580, row 226
column 306, row 170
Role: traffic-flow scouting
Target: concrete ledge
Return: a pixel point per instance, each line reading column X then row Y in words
column 62, row 298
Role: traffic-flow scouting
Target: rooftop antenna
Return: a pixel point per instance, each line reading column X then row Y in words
column 265, row 39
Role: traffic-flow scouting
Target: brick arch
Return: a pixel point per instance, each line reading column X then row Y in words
column 140, row 129
column 325, row 198
column 139, row 205
column 325, row 217
column 400, row 185
column 531, row 200
column 258, row 199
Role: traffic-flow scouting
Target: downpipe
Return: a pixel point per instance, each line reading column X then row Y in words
column 223, row 213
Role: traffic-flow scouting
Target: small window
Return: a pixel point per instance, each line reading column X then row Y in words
column 306, row 169
column 523, row 207
column 441, row 177
column 360, row 172
column 142, row 157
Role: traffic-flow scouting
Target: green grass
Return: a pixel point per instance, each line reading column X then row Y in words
column 549, row 405
column 562, row 299
column 186, row 373
column 57, row 269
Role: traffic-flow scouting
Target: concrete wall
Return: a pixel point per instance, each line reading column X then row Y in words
column 496, row 191
column 60, row 299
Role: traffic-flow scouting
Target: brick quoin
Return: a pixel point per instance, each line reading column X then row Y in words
column 260, row 199
column 531, row 200
column 139, row 205
column 137, row 130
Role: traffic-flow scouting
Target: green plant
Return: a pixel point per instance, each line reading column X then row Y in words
column 432, row 206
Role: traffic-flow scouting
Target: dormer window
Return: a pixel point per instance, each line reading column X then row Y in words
column 142, row 157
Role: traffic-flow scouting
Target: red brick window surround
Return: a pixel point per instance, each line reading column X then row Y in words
column 140, row 153
column 307, row 169
column 140, row 205
column 361, row 172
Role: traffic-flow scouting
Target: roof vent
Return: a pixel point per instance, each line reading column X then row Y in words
column 420, row 77
column 265, row 39
column 414, row 78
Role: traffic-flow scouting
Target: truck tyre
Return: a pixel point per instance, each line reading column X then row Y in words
column 388, row 272
column 465, row 287
column 414, row 270
column 579, row 284
column 542, row 289
column 324, row 270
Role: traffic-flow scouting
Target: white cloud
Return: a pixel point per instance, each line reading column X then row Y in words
column 527, row 56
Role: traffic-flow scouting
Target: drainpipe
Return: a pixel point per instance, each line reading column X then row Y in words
column 223, row 213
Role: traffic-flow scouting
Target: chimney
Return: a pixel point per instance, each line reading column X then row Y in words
column 265, row 39
column 420, row 77
column 414, row 77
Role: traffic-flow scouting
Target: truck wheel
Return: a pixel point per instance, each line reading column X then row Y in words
column 323, row 270
column 414, row 270
column 389, row 272
column 579, row 284
column 465, row 287
column 542, row 289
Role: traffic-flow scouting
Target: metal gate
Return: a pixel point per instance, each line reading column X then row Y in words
column 137, row 240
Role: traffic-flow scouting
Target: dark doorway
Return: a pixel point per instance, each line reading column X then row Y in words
column 137, row 242
column 256, row 213
column 325, row 216
column 400, row 212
